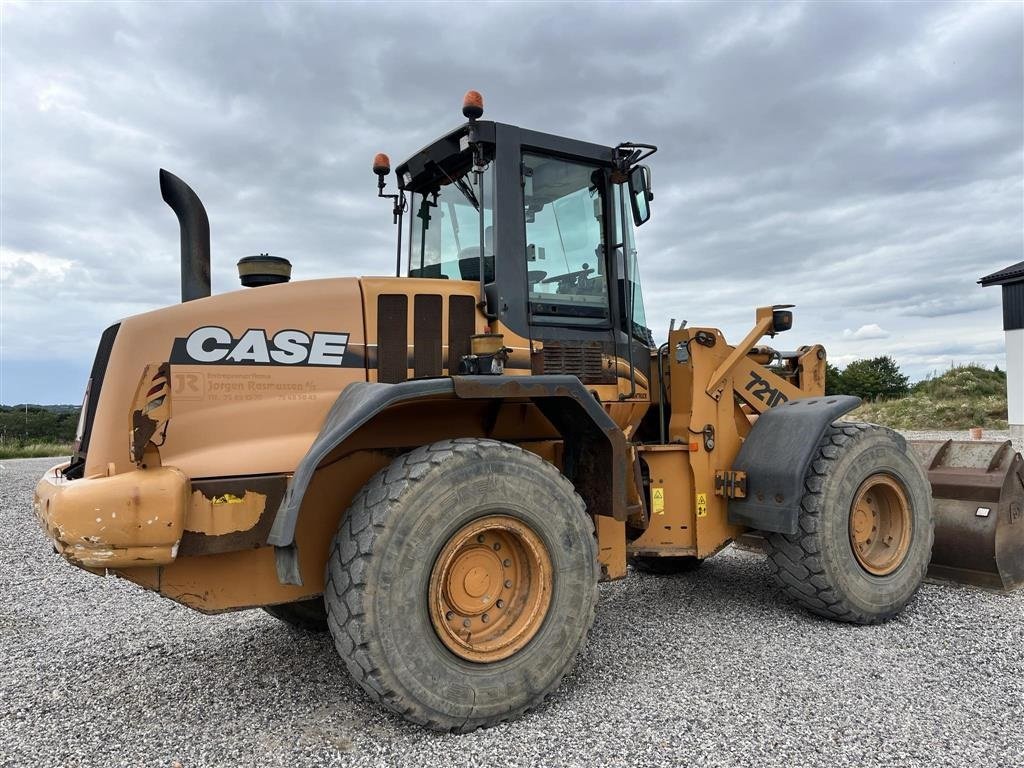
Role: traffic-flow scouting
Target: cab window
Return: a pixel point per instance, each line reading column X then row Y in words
column 565, row 246
column 444, row 234
column 624, row 217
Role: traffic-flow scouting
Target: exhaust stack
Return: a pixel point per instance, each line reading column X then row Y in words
column 195, row 235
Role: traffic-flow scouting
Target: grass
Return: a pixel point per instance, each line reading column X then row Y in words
column 962, row 397
column 17, row 450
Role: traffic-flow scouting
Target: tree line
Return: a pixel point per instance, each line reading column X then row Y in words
column 871, row 379
column 880, row 378
column 38, row 423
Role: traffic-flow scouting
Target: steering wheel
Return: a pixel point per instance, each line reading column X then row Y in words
column 570, row 278
column 535, row 276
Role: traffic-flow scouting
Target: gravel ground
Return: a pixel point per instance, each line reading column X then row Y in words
column 709, row 668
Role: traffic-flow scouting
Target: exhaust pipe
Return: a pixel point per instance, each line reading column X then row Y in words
column 195, row 235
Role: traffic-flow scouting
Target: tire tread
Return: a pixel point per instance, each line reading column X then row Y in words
column 793, row 559
column 353, row 548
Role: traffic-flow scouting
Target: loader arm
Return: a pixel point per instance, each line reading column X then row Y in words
column 755, row 384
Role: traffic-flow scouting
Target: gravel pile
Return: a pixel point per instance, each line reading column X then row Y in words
column 708, row 668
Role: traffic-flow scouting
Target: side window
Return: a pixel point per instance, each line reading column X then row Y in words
column 444, row 232
column 565, row 240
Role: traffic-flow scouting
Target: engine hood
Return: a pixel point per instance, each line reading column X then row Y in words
column 252, row 376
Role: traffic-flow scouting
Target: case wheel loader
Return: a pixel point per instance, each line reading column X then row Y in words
column 439, row 467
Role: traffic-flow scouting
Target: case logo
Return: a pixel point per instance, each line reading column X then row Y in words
column 213, row 345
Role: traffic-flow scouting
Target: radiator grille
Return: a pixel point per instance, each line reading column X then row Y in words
column 461, row 325
column 426, row 335
column 392, row 338
column 581, row 359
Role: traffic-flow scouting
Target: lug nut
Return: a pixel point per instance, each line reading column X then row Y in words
column 508, row 583
column 497, row 546
column 507, row 563
column 500, row 604
column 450, row 615
column 466, row 623
column 480, row 539
column 485, row 618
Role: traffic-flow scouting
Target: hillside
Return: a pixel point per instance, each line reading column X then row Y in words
column 962, row 397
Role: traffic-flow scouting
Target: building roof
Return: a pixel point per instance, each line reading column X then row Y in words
column 1011, row 274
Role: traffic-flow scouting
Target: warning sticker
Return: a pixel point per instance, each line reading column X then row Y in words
column 702, row 505
column 658, row 501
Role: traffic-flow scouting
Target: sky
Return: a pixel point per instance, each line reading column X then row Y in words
column 862, row 161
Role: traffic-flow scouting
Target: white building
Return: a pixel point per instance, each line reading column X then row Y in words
column 1012, row 281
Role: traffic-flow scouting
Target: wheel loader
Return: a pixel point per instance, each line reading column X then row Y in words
column 439, row 466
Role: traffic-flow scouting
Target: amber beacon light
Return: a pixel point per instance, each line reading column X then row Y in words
column 473, row 105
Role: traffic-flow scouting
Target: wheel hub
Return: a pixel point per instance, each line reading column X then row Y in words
column 880, row 525
column 490, row 588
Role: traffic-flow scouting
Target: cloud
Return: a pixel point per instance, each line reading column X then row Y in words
column 862, row 161
column 865, row 332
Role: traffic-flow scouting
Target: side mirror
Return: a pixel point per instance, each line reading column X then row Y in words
column 640, row 194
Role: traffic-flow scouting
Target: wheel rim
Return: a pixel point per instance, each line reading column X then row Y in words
column 490, row 588
column 880, row 525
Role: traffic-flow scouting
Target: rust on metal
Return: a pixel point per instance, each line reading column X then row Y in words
column 978, row 504
column 490, row 589
column 731, row 483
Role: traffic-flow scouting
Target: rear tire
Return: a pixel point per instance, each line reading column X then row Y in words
column 665, row 566
column 818, row 566
column 310, row 615
column 417, row 523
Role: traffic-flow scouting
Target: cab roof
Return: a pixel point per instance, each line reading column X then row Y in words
column 450, row 156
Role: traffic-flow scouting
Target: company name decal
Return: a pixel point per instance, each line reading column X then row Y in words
column 213, row 345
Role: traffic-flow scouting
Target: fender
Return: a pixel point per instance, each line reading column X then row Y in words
column 775, row 457
column 595, row 453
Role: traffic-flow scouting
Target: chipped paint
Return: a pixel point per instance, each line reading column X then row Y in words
column 223, row 514
column 80, row 516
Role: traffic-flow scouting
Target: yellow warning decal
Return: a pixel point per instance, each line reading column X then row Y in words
column 702, row 505
column 658, row 501
column 227, row 498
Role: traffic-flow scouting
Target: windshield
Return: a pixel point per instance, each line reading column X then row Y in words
column 444, row 233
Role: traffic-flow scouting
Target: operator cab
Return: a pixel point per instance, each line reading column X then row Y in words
column 544, row 223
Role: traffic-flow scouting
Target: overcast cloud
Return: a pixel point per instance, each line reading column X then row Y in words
column 863, row 161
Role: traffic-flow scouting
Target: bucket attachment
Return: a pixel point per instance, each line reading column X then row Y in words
column 978, row 503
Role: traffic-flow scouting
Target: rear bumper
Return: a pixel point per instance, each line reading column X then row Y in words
column 132, row 519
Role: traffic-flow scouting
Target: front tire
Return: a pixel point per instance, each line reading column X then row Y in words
column 865, row 528
column 462, row 583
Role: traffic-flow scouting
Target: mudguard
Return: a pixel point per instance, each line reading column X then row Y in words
column 775, row 457
column 595, row 448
